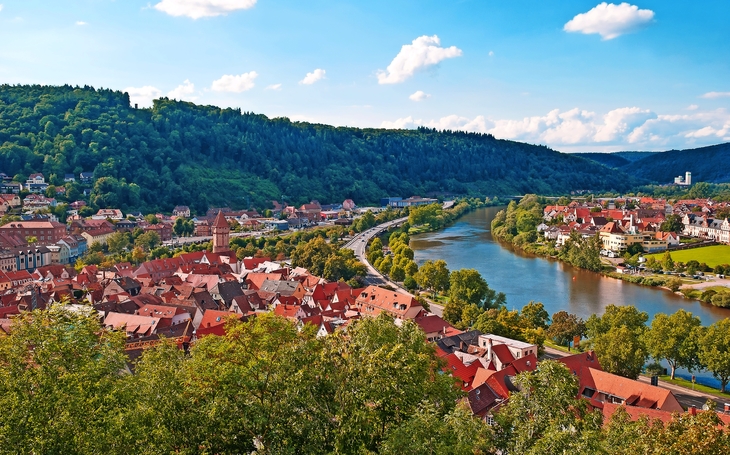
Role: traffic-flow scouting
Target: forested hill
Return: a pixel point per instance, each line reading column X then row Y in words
column 181, row 153
column 707, row 164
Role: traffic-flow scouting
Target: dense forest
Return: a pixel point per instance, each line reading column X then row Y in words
column 181, row 153
column 707, row 164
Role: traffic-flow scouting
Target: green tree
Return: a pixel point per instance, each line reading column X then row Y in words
column 148, row 240
column 534, row 316
column 673, row 338
column 672, row 223
column 433, row 275
column 617, row 338
column 391, row 372
column 544, row 417
column 59, row 373
column 564, row 327
column 117, row 242
column 397, row 273
column 714, row 351
column 667, row 262
column 179, row 227
column 467, row 286
column 427, row 432
column 312, row 255
column 674, row 284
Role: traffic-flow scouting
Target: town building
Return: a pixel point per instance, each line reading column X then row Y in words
column 181, row 210
column 413, row 201
column 36, row 183
column 707, row 228
column 45, row 232
column 10, row 187
column 685, row 180
column 221, row 234
column 374, row 300
column 111, row 214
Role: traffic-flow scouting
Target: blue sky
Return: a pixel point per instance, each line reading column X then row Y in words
column 574, row 75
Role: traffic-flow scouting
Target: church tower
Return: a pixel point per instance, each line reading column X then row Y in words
column 221, row 234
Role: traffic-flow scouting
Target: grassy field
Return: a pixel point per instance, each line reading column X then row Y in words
column 710, row 255
column 698, row 387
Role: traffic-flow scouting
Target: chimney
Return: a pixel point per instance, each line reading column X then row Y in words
column 136, row 106
column 489, row 349
column 727, row 408
column 692, row 410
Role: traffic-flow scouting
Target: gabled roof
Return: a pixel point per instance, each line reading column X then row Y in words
column 432, row 323
column 280, row 287
column 373, row 300
column 458, row 370
column 140, row 325
column 160, row 311
column 256, row 280
column 634, row 393
column 482, row 399
column 502, row 352
column 213, row 318
column 613, row 228
column 287, row 311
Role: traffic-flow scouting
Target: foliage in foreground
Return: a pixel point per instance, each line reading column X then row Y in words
column 268, row 388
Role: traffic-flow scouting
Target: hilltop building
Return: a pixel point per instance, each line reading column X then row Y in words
column 684, row 181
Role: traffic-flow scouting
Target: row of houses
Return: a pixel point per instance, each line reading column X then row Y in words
column 36, row 183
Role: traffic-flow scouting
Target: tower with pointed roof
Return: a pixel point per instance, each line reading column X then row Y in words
column 221, row 234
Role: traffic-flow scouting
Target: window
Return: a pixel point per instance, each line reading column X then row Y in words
column 489, row 420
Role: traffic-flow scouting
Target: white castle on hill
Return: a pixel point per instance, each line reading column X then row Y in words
column 684, row 181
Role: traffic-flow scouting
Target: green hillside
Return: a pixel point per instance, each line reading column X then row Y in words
column 182, row 153
column 607, row 159
column 707, row 164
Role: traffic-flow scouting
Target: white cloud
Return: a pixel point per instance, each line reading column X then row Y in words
column 618, row 122
column 692, row 107
column 610, row 20
column 202, row 8
column 423, row 52
column 183, row 91
column 420, row 95
column 491, row 53
column 1, row 7
column 81, row 23
column 143, row 96
column 713, row 95
column 626, row 128
column 236, row 84
column 313, row 77
column 451, row 122
column 401, row 123
column 276, row 87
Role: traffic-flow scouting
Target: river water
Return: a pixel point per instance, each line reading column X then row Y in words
column 468, row 243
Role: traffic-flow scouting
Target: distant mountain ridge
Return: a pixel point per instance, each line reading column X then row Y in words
column 180, row 153
column 707, row 164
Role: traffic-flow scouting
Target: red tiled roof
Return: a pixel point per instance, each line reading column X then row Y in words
column 458, row 370
column 432, row 323
column 220, row 220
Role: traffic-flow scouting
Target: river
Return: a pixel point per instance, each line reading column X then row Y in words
column 468, row 243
